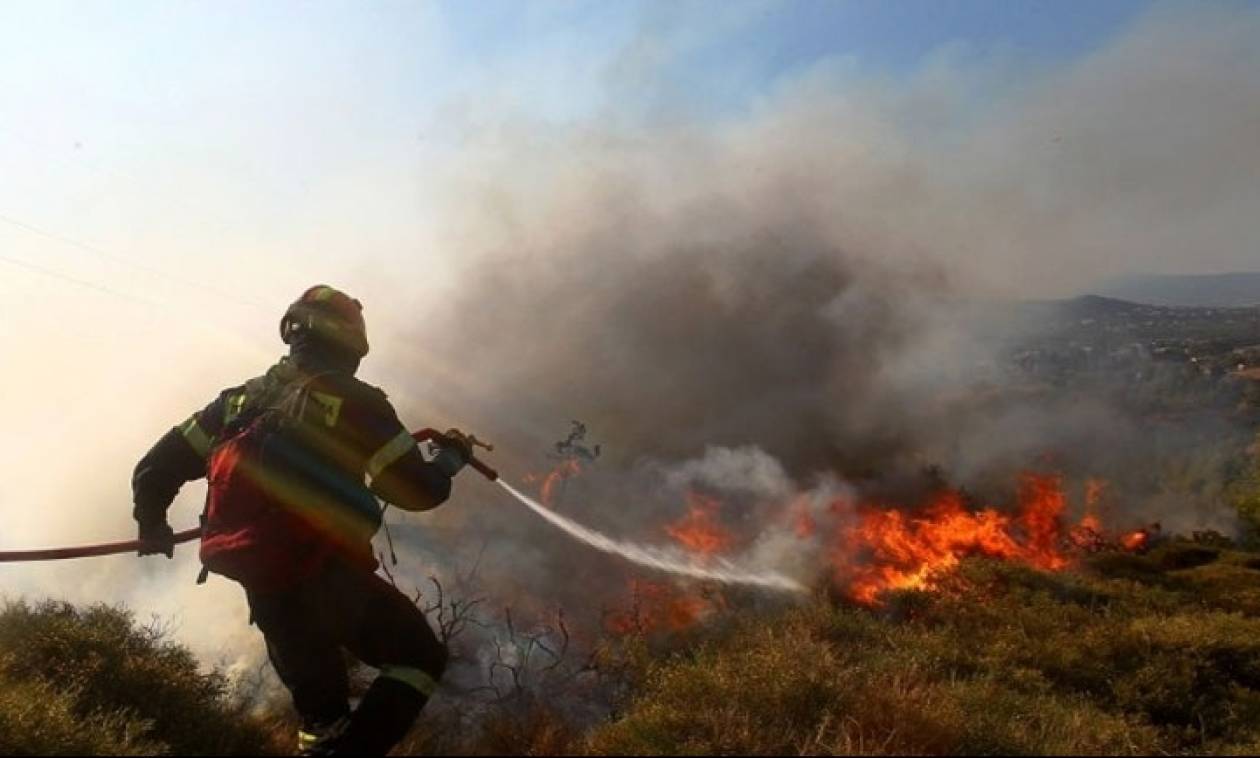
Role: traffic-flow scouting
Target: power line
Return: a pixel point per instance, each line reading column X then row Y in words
column 118, row 259
column 113, row 172
column 73, row 280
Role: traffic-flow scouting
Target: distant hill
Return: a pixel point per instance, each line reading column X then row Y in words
column 1108, row 322
column 1204, row 291
column 1094, row 306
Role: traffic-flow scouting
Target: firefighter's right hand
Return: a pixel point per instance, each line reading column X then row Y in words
column 157, row 538
column 461, row 442
column 454, row 452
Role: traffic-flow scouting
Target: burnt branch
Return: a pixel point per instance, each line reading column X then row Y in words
column 453, row 616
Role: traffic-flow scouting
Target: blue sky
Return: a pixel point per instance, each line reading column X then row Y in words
column 249, row 111
column 718, row 56
column 190, row 131
column 188, row 138
column 407, row 57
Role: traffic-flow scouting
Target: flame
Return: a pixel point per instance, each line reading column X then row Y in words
column 1135, row 541
column 878, row 548
column 567, row 469
column 657, row 607
column 799, row 518
column 1088, row 535
column 805, row 526
column 699, row 530
column 890, row 549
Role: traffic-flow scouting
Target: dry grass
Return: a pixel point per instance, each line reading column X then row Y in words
column 1129, row 655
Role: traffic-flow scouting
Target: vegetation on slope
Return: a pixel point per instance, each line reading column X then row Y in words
column 1133, row 654
column 1128, row 654
column 1244, row 494
column 92, row 681
column 1125, row 654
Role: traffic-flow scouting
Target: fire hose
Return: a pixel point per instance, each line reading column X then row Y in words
column 88, row 551
column 188, row 535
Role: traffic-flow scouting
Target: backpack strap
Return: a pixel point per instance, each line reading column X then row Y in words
column 295, row 395
column 267, row 393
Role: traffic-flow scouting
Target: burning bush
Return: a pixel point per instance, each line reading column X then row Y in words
column 891, row 549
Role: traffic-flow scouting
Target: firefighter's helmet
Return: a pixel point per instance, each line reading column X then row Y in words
column 329, row 315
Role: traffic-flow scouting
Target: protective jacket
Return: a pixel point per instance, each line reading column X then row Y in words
column 344, row 431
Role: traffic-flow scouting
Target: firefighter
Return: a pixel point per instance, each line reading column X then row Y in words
column 296, row 460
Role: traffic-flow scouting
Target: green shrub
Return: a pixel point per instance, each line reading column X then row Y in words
column 39, row 719
column 127, row 682
column 1244, row 495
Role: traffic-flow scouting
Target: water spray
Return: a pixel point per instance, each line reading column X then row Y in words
column 669, row 560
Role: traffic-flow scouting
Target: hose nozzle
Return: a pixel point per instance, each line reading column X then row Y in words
column 440, row 439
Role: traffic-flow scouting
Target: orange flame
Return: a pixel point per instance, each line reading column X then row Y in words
column 657, row 607
column 551, row 481
column 878, row 549
column 699, row 530
column 892, row 549
column 804, row 525
column 1088, row 535
column 1135, row 541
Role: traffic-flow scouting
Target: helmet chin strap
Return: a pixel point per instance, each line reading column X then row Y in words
column 312, row 352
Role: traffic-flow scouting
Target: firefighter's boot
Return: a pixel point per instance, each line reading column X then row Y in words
column 383, row 717
column 313, row 739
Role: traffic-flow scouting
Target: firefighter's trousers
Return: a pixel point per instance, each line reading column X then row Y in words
column 307, row 626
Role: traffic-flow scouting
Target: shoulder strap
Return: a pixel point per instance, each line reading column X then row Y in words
column 292, row 398
column 283, row 391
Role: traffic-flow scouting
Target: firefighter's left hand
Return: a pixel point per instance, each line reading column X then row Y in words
column 157, row 538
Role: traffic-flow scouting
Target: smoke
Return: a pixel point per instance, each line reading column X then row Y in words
column 78, row 420
column 817, row 279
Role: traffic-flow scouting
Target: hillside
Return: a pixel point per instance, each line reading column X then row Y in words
column 1128, row 655
column 91, row 681
column 1205, row 290
column 1125, row 654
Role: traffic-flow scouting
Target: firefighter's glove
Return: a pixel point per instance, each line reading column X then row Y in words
column 156, row 538
column 455, row 452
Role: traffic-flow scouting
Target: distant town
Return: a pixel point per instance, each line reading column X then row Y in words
column 1138, row 344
